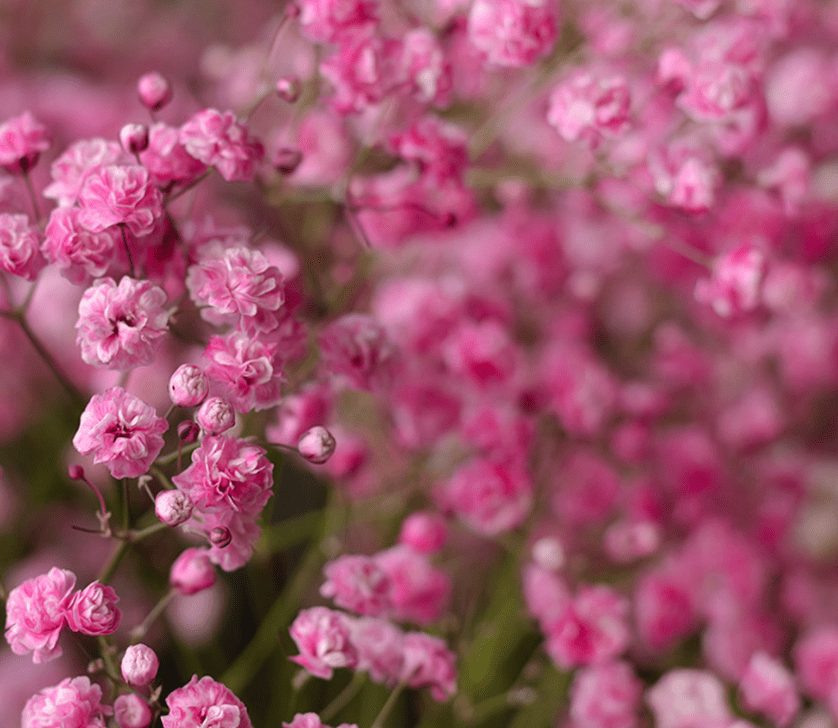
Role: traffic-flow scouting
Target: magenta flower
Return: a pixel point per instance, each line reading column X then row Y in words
column 122, row 431
column 36, row 612
column 358, row 584
column 20, row 243
column 379, row 644
column 22, row 139
column 322, row 637
column 513, row 32
column 73, row 703
column 121, row 326
column 93, row 610
column 419, row 591
column 357, row 348
column 328, row 21
column 239, row 533
column 218, row 140
column 429, row 663
column 205, row 703
column 80, row 255
column 80, row 160
column 120, row 195
column 167, row 160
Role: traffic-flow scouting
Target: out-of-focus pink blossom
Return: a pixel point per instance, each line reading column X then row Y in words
column 357, row 348
column 202, row 703
column 20, row 247
column 131, row 711
column 816, row 660
column 192, row 572
column 424, row 532
column 218, row 140
column 93, row 610
column 323, row 638
column 73, row 703
column 380, row 647
column 429, row 663
column 768, row 687
column 357, row 583
column 664, row 610
column 606, row 695
column 330, row 21
column 120, row 195
column 22, row 139
column 684, row 698
column 426, row 68
column 735, row 283
column 419, row 591
column 513, row 32
column 590, row 106
column 77, row 162
column 154, row 91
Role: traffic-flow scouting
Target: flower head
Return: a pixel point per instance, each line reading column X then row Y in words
column 73, row 703
column 22, row 139
column 120, row 195
column 218, row 140
column 205, row 703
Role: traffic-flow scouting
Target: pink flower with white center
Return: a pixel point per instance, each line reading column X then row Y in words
column 131, row 711
column 227, row 474
column 121, row 326
column 419, row 591
column 490, row 497
column 424, row 532
column 735, row 285
column 323, row 638
column 80, row 255
column 82, row 158
column 219, row 141
column 166, row 158
column 36, row 612
column 93, row 610
column 685, row 176
column 139, row 665
column 426, row 68
column 120, row 195
column 245, row 370
column 590, row 106
column 429, row 663
column 241, row 287
column 380, row 648
column 356, row 347
column 205, row 703
column 73, row 703
column 22, row 139
column 685, row 698
column 329, row 21
column 768, row 687
column 20, row 247
column 192, row 572
column 122, row 431
column 358, row 584
column 514, row 32
column 606, row 696
column 592, row 629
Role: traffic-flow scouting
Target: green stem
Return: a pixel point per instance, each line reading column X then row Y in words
column 281, row 536
column 109, row 569
column 388, row 706
column 140, row 630
column 343, row 698
column 172, row 456
column 134, row 536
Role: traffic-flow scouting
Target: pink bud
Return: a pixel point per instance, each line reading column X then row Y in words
column 131, row 711
column 188, row 386
column 286, row 160
column 216, row 416
column 424, row 532
column 134, row 138
column 188, row 431
column 139, row 665
column 76, row 472
column 154, row 91
column 220, row 537
column 192, row 572
column 292, row 10
column 316, row 445
column 173, row 507
column 93, row 610
column 548, row 553
column 288, row 88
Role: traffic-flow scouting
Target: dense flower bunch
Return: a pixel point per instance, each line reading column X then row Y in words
column 449, row 362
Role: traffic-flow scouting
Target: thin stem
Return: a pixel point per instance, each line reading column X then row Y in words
column 109, row 569
column 29, row 294
column 140, row 631
column 126, row 516
column 343, row 698
column 389, row 705
column 32, row 196
column 127, row 250
column 184, row 190
column 107, row 659
column 135, row 536
column 162, row 477
column 172, row 456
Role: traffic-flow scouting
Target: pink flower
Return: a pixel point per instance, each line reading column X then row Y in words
column 380, row 647
column 546, row 594
column 139, row 665
column 420, row 592
column 322, row 637
column 357, row 347
column 154, row 91
column 73, row 703
column 605, row 696
column 816, row 660
column 219, row 141
column 429, row 663
column 80, row 160
column 122, row 431
column 216, row 416
column 426, row 68
column 424, row 532
column 120, row 195
column 768, row 687
column 192, row 572
column 20, row 244
column 36, row 612
column 22, row 139
column 121, row 326
column 80, row 254
column 358, row 584
column 328, row 21
column 589, row 106
column 166, row 158
column 312, row 720
column 481, row 353
column 688, row 698
column 173, row 507
column 735, row 285
column 239, row 533
column 131, row 711
column 205, row 703
column 316, row 445
column 513, row 32
column 242, row 288
column 438, row 148
column 685, row 176
column 93, row 610
column 188, row 386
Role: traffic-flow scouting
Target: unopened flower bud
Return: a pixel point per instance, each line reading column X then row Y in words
column 220, row 537
column 76, row 472
column 548, row 553
column 131, row 711
column 216, row 416
column 192, row 572
column 188, row 431
column 286, row 160
column 93, row 610
column 134, row 138
column 292, row 10
column 288, row 88
column 424, row 532
column 316, row 445
column 188, row 386
column 154, row 91
column 173, row 507
column 139, row 665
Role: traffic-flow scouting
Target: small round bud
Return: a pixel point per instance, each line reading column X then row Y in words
column 131, row 711
column 292, row 10
column 188, row 431
column 424, row 532
column 548, row 553
column 288, row 88
column 93, row 610
column 192, row 572
column 154, row 91
column 134, row 138
column 216, row 416
column 76, row 472
column 286, row 160
column 316, row 445
column 173, row 507
column 188, row 386
column 139, row 665
column 220, row 537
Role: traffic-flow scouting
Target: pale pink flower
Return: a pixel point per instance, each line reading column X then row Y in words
column 82, row 158
column 36, row 612
column 429, row 663
column 120, row 195
column 419, row 591
column 357, row 583
column 590, row 106
column 73, row 703
column 316, row 445
column 139, row 665
column 80, row 254
column 241, row 287
column 426, row 68
column 685, row 698
column 356, row 347
column 122, row 431
column 328, row 21
column 22, row 139
column 20, row 247
column 219, row 141
column 154, row 91
column 205, row 703
column 606, row 696
column 685, row 176
column 735, row 284
column 93, row 610
column 134, row 138
column 166, row 158
column 768, row 687
column 514, row 32
column 379, row 644
column 173, row 507
column 121, row 326
column 188, row 386
column 322, row 637
column 131, row 711
column 192, row 572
